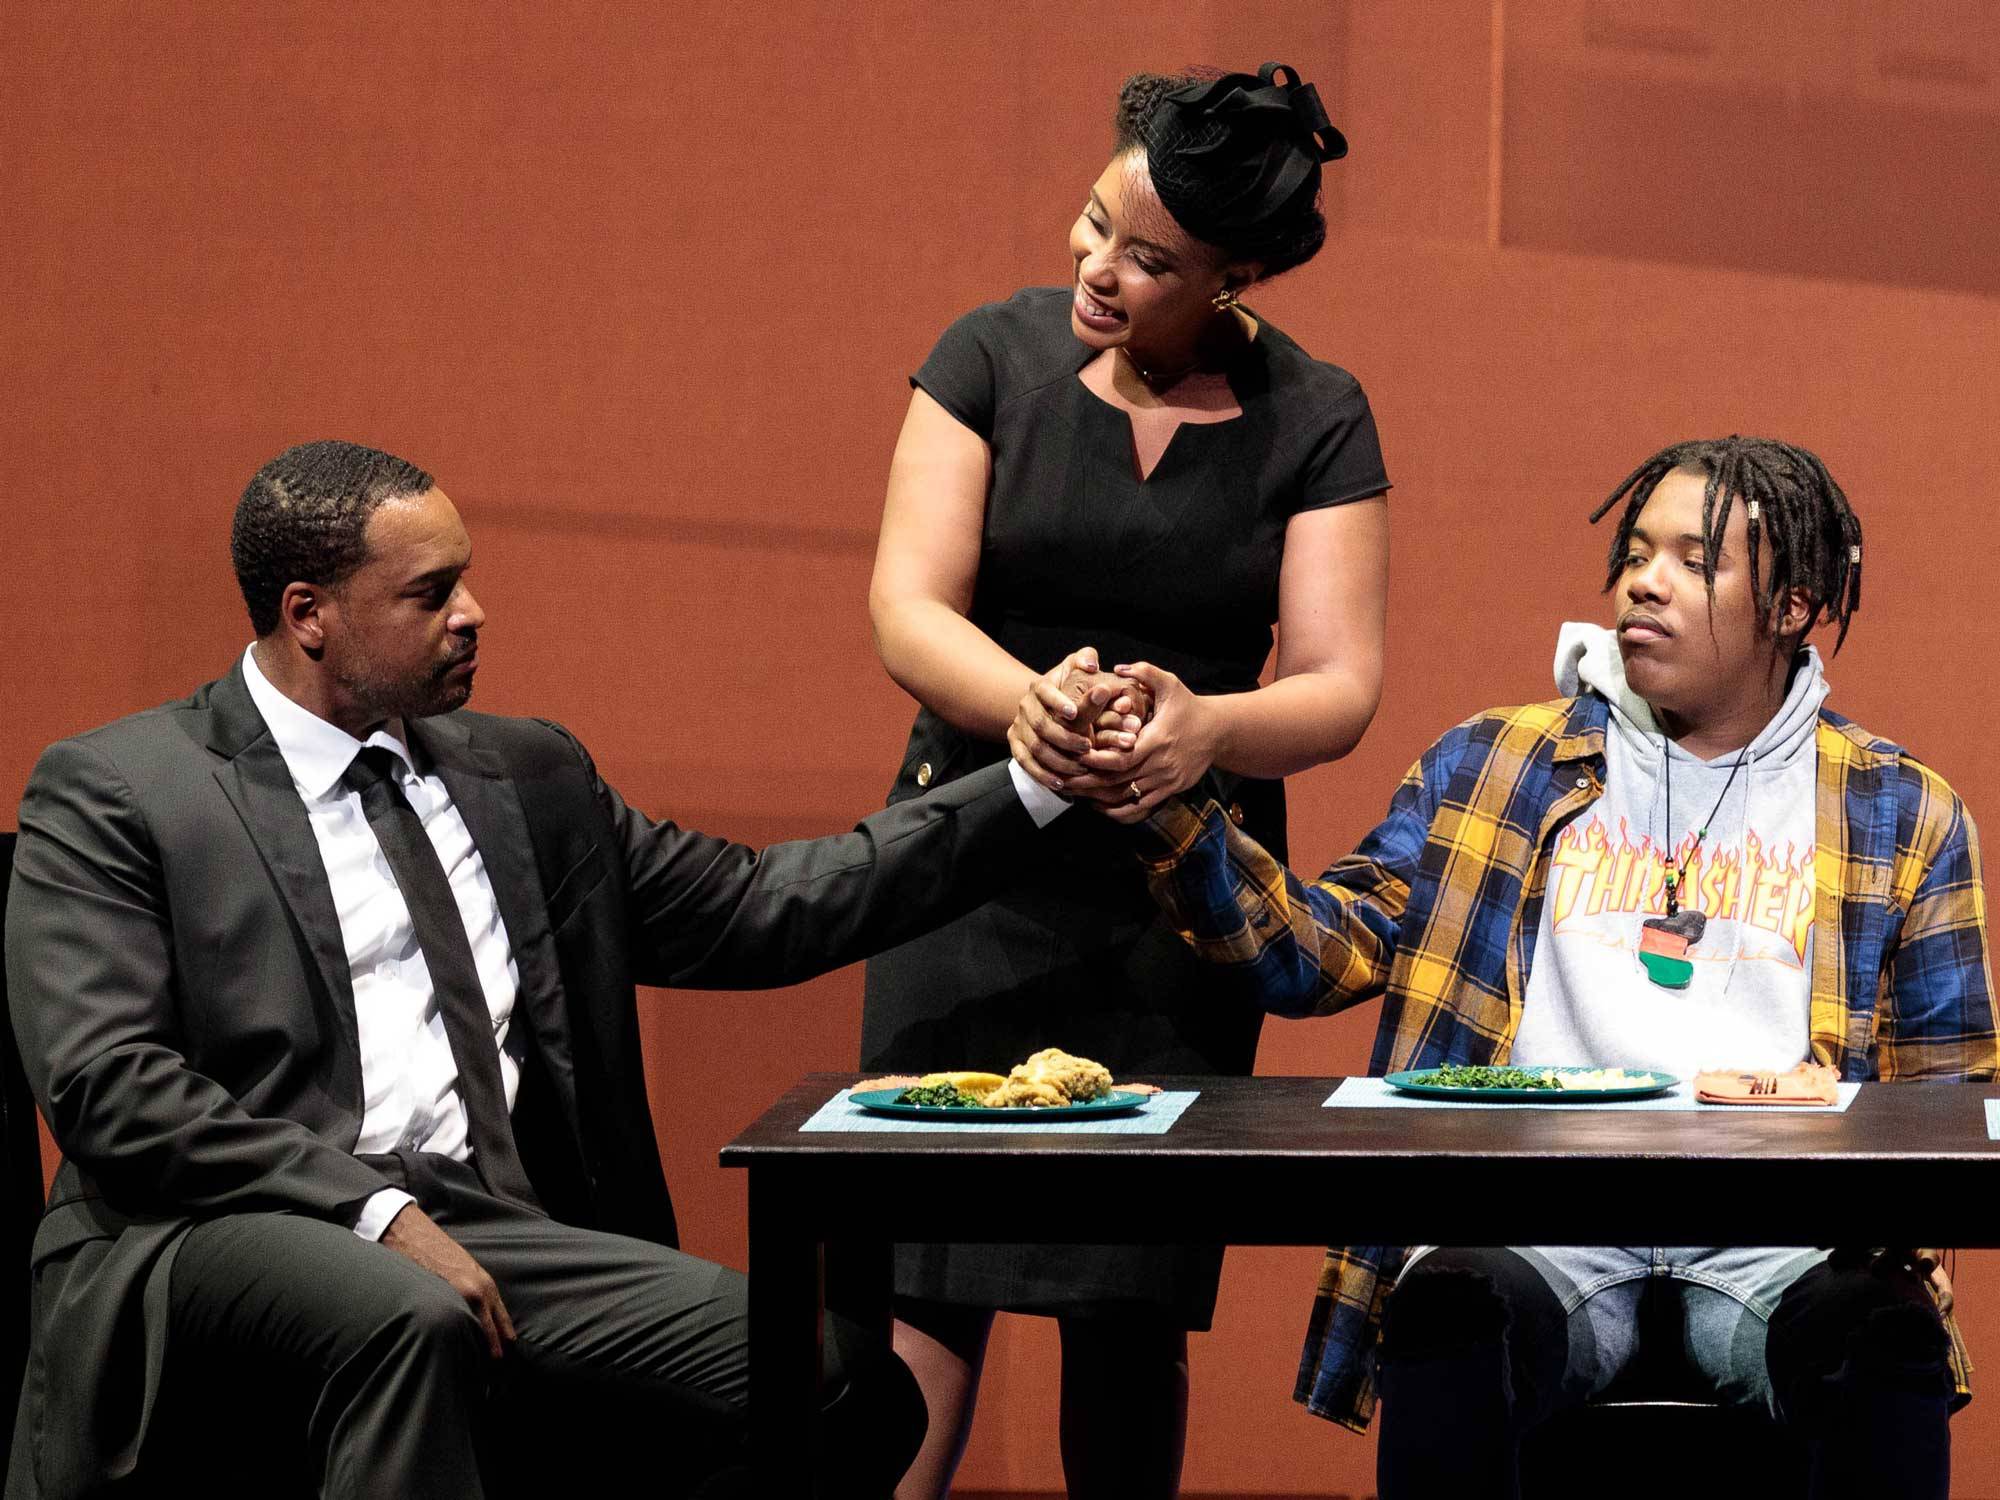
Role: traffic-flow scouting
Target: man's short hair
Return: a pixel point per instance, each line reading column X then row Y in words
column 303, row 519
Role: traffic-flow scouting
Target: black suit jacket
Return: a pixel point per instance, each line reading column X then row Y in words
column 181, row 994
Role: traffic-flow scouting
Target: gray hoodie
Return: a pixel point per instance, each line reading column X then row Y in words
column 1590, row 1000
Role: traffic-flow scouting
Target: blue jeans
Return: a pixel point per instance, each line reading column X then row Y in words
column 1727, row 1298
column 1847, row 1352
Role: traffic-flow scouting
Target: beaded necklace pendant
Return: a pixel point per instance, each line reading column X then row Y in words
column 1664, row 943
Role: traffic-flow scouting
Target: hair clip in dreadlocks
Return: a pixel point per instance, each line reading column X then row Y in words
column 1795, row 508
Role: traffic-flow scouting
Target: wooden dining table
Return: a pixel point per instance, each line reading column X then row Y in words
column 1261, row 1161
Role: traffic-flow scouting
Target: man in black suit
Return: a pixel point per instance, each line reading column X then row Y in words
column 325, row 987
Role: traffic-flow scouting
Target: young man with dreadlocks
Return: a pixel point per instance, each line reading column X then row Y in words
column 1500, row 912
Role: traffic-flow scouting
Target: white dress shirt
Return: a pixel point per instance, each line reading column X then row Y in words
column 409, row 1081
column 1043, row 805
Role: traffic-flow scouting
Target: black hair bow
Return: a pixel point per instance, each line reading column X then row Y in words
column 1226, row 154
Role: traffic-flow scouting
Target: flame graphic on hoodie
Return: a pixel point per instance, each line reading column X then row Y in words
column 1769, row 889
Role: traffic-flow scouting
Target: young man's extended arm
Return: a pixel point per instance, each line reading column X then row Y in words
column 1304, row 949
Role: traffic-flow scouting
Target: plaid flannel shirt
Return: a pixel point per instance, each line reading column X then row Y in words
column 1438, row 911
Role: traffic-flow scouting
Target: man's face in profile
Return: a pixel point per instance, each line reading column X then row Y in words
column 403, row 628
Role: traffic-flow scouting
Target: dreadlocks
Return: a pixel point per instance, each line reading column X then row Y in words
column 1794, row 507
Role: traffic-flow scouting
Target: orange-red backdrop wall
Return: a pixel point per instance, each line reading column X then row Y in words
column 641, row 285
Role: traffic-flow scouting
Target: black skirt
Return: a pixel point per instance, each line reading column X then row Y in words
column 1076, row 956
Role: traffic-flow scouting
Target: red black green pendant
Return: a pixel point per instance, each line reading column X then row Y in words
column 1664, row 943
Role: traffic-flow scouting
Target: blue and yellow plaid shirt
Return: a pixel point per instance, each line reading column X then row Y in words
column 1438, row 911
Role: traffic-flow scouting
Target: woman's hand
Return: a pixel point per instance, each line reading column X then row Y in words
column 1065, row 710
column 1169, row 754
column 1123, row 711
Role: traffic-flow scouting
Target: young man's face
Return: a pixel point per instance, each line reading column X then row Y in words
column 404, row 629
column 1683, row 653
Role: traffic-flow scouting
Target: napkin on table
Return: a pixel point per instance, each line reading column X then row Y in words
column 1808, row 1083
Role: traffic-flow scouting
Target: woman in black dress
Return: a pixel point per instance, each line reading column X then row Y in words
column 1131, row 469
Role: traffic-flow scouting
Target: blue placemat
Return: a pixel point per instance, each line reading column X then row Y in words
column 1157, row 1118
column 1375, row 1093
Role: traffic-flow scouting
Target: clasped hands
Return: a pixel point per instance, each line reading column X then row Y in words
column 1122, row 740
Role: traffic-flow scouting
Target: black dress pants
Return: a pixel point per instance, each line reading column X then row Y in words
column 630, row 1358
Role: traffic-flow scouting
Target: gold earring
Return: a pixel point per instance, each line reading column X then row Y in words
column 1225, row 300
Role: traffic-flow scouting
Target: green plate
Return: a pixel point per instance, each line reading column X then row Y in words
column 883, row 1102
column 1419, row 1082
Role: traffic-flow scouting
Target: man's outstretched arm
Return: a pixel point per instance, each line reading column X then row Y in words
column 1303, row 948
column 707, row 913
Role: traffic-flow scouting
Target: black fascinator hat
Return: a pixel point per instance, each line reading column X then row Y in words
column 1236, row 160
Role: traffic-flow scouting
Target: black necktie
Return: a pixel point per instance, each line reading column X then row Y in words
column 468, row 1024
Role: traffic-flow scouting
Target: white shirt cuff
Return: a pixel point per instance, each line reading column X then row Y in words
column 1043, row 805
column 378, row 1211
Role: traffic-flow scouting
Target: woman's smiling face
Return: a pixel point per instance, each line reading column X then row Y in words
column 1142, row 282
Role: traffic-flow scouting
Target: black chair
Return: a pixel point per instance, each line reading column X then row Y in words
column 20, row 1179
column 1636, row 1440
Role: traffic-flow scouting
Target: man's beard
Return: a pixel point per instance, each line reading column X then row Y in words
column 410, row 697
